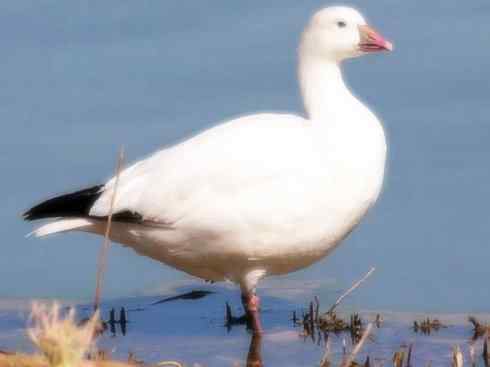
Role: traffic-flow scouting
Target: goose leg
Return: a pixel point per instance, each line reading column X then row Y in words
column 254, row 357
column 250, row 300
column 251, row 304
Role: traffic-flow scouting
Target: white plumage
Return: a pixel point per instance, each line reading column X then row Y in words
column 263, row 194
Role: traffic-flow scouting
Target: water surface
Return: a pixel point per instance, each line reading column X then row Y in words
column 193, row 331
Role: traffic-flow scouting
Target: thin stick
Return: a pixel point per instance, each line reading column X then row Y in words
column 169, row 363
column 409, row 357
column 457, row 357
column 485, row 349
column 349, row 291
column 317, row 308
column 472, row 354
column 348, row 361
column 325, row 361
column 102, row 256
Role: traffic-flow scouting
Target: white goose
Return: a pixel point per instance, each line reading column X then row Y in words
column 256, row 196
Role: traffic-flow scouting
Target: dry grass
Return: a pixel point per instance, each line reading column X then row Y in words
column 62, row 342
column 23, row 360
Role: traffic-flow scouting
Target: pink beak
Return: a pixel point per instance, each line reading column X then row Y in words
column 372, row 41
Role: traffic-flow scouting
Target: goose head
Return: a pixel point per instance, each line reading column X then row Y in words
column 338, row 33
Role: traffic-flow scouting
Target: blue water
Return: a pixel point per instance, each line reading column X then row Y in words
column 81, row 79
column 192, row 331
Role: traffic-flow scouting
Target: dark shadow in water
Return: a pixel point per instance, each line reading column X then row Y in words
column 231, row 320
column 193, row 295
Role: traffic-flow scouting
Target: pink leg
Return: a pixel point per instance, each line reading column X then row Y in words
column 251, row 304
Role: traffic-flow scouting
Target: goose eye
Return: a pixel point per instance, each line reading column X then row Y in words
column 341, row 24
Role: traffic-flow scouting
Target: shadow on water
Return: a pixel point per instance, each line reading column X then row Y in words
column 192, row 295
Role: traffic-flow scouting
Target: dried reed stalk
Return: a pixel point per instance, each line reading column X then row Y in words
column 349, row 291
column 348, row 361
column 102, row 256
column 457, row 360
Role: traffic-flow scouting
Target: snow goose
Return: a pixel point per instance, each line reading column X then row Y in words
column 256, row 196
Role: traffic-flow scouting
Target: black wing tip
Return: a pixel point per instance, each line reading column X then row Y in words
column 33, row 213
column 28, row 215
column 74, row 204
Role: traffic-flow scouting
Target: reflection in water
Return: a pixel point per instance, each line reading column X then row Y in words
column 254, row 357
column 122, row 322
column 112, row 321
column 427, row 326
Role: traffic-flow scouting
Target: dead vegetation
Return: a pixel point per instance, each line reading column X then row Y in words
column 64, row 342
column 427, row 326
column 479, row 329
column 318, row 326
